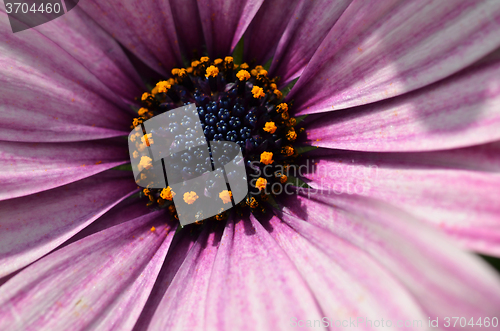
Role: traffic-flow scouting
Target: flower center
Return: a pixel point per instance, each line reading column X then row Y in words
column 236, row 103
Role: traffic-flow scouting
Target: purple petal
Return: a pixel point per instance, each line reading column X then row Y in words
column 242, row 273
column 81, row 37
column 266, row 29
column 253, row 277
column 307, row 27
column 463, row 110
column 178, row 252
column 99, row 282
column 380, row 50
column 331, row 267
column 147, row 29
column 224, row 23
column 183, row 304
column 457, row 190
column 30, row 168
column 48, row 95
column 444, row 280
column 34, row 225
column 188, row 27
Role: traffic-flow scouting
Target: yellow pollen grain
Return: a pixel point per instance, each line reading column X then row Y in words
column 148, row 139
column 167, row 193
column 145, row 95
column 204, row 59
column 278, row 93
column 283, row 179
column 153, row 229
column 243, row 75
column 244, row 66
column 135, row 154
column 252, row 202
column 163, row 86
column 288, row 150
column 142, row 111
column 228, row 59
column 291, row 122
column 291, row 135
column 225, row 196
column 261, row 183
column 154, row 91
column 266, row 158
column 270, row 127
column 145, row 163
column 212, row 71
column 257, row 92
column 281, row 107
column 190, row 197
column 217, row 61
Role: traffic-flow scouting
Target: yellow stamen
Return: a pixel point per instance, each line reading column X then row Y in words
column 204, row 59
column 217, row 61
column 291, row 135
column 146, row 191
column 154, row 91
column 148, row 139
column 252, row 202
column 257, row 92
column 285, row 115
column 182, row 72
column 287, row 150
column 145, row 95
column 244, row 66
column 167, row 193
column 190, row 197
column 283, row 179
column 189, row 70
column 291, row 122
column 195, row 63
column 263, row 72
column 281, row 107
column 270, row 127
column 266, row 158
column 145, row 163
column 212, row 71
column 163, row 86
column 243, row 75
column 225, row 196
column 136, row 122
column 175, row 71
column 254, row 72
column 259, row 68
column 142, row 111
column 274, row 86
column 278, row 93
column 228, row 59
column 261, row 183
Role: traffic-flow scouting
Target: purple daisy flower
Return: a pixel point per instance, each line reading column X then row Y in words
column 403, row 103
